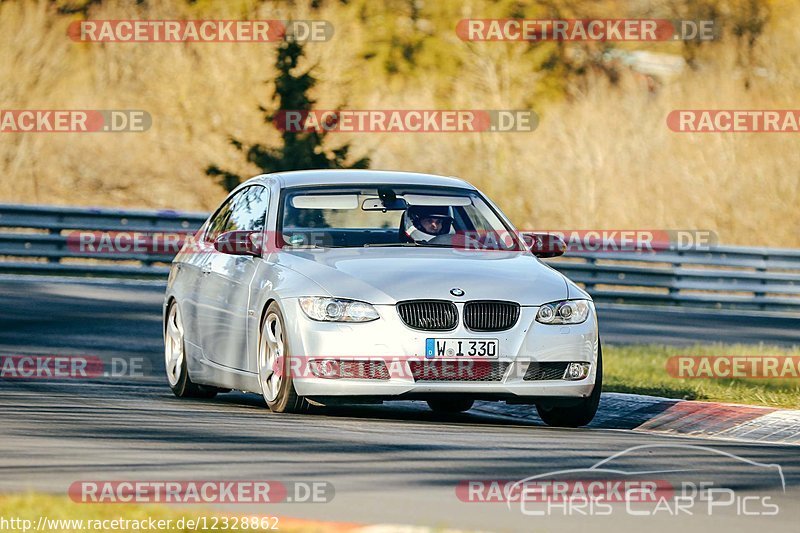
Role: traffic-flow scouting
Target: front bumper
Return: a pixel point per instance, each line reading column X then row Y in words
column 390, row 340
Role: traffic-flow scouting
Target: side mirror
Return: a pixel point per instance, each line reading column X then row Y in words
column 545, row 244
column 239, row 243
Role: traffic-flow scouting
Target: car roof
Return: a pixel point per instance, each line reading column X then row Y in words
column 359, row 177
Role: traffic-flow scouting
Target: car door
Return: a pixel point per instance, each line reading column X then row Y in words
column 227, row 279
column 196, row 317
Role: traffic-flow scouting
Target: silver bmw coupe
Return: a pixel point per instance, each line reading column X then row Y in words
column 339, row 286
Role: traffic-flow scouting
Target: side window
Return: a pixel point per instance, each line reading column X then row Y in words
column 245, row 212
column 219, row 222
column 250, row 209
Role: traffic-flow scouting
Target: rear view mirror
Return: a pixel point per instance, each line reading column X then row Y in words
column 376, row 204
column 239, row 243
column 545, row 244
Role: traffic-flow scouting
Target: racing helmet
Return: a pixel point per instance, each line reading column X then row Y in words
column 423, row 222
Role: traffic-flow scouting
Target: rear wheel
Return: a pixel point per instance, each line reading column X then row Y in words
column 580, row 414
column 450, row 405
column 175, row 359
column 274, row 365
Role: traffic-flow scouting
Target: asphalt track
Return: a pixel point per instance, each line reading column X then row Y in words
column 396, row 463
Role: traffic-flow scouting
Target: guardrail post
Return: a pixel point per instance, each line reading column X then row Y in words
column 763, row 281
column 673, row 290
column 588, row 285
column 54, row 231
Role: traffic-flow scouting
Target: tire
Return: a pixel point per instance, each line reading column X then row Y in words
column 175, row 359
column 450, row 405
column 273, row 352
column 576, row 415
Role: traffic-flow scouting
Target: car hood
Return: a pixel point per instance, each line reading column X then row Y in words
column 388, row 275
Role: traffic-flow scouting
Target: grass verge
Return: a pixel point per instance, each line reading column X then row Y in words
column 642, row 369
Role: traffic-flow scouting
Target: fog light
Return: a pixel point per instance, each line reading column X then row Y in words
column 325, row 368
column 577, row 371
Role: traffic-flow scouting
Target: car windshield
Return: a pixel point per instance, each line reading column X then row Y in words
column 354, row 217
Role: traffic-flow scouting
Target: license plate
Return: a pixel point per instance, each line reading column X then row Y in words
column 462, row 348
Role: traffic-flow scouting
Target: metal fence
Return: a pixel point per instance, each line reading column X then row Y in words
column 45, row 240
column 721, row 277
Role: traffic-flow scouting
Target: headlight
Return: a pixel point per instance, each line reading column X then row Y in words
column 337, row 309
column 566, row 312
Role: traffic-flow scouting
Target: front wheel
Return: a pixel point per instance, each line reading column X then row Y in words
column 274, row 365
column 580, row 414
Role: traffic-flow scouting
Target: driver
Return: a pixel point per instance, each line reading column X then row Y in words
column 424, row 223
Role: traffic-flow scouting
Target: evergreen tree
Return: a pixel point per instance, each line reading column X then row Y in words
column 300, row 150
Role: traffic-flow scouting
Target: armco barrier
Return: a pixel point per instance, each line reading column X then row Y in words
column 33, row 240
column 722, row 277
